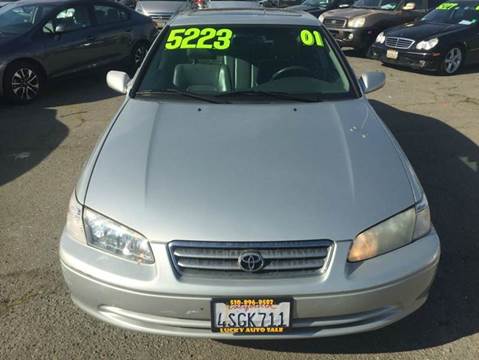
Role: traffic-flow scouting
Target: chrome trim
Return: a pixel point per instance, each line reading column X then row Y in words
column 335, row 22
column 211, row 259
column 399, row 42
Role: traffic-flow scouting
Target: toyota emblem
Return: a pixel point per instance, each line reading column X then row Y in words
column 251, row 261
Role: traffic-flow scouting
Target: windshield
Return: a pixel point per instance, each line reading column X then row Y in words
column 464, row 13
column 18, row 20
column 223, row 60
column 377, row 4
column 318, row 3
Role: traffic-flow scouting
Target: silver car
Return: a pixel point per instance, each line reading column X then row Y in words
column 247, row 189
column 160, row 10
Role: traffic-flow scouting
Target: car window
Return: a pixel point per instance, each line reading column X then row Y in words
column 318, row 3
column 226, row 59
column 20, row 19
column 463, row 13
column 377, row 4
column 106, row 14
column 70, row 19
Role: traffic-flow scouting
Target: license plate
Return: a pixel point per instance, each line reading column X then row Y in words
column 247, row 316
column 392, row 54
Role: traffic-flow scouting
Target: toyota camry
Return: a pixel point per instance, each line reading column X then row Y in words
column 247, row 189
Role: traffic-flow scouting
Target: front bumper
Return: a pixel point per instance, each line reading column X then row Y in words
column 359, row 38
column 347, row 298
column 429, row 61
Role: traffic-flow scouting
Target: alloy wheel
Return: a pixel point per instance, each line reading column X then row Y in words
column 25, row 84
column 139, row 55
column 453, row 60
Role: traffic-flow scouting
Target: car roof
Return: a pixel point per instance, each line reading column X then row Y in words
column 244, row 16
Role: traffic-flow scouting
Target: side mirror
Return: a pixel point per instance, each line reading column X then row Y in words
column 59, row 29
column 372, row 81
column 409, row 6
column 118, row 81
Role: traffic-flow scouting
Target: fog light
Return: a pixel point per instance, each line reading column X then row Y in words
column 350, row 36
column 422, row 63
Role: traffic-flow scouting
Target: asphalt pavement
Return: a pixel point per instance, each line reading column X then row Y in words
column 43, row 147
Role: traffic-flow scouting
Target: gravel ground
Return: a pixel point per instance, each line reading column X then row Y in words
column 42, row 149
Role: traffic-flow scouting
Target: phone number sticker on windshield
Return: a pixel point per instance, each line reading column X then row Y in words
column 196, row 38
column 310, row 38
column 447, row 6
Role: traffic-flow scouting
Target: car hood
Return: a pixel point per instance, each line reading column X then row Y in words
column 350, row 13
column 233, row 4
column 248, row 172
column 423, row 30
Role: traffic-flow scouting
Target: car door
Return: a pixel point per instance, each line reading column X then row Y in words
column 114, row 27
column 67, row 39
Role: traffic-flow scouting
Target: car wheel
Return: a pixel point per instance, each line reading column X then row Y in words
column 364, row 51
column 23, row 82
column 452, row 61
column 138, row 54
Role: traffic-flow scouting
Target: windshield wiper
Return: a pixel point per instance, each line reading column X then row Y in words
column 273, row 94
column 210, row 99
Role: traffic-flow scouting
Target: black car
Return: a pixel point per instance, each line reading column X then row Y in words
column 444, row 40
column 359, row 25
column 317, row 7
column 42, row 39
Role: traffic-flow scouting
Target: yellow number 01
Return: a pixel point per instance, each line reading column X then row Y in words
column 310, row 38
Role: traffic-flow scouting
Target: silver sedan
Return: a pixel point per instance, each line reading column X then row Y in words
column 247, row 189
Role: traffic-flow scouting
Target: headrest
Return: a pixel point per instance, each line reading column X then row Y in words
column 201, row 54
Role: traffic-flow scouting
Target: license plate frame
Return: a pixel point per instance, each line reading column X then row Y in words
column 253, row 304
column 392, row 54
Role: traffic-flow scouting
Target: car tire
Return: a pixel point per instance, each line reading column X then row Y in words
column 138, row 54
column 23, row 82
column 453, row 60
column 363, row 52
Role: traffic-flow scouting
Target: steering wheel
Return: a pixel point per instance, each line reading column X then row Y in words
column 281, row 72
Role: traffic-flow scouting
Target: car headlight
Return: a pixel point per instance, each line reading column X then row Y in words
column 427, row 44
column 114, row 238
column 357, row 22
column 321, row 17
column 381, row 38
column 392, row 233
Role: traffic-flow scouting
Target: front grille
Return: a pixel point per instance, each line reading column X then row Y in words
column 333, row 22
column 220, row 259
column 399, row 43
column 160, row 16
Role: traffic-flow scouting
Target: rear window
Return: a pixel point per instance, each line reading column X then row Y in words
column 106, row 14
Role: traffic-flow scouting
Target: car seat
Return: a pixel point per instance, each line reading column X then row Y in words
column 202, row 77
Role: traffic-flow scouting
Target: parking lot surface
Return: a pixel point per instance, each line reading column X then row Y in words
column 42, row 149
